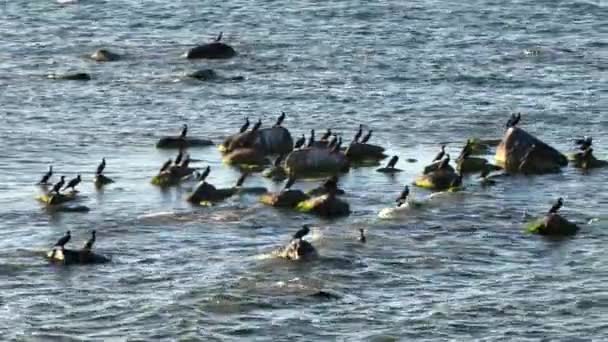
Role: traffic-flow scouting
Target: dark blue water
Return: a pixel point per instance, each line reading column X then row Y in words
column 416, row 72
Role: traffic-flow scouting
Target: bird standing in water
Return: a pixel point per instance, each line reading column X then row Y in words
column 58, row 185
column 441, row 153
column 89, row 244
column 366, row 137
column 184, row 131
column 73, row 183
column 47, row 176
column 245, row 125
column 300, row 142
column 64, row 240
column 101, row 167
column 302, row 232
column 403, row 196
column 555, row 208
column 280, row 119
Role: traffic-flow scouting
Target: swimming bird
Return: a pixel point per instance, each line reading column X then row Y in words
column 47, row 176
column 514, row 120
column 257, row 125
column 184, row 131
column 219, row 37
column 302, row 232
column 89, row 244
column 280, row 119
column 205, row 173
column 101, row 166
column 166, row 165
column 326, row 135
column 73, row 183
column 290, row 181
column 555, row 208
column 58, row 185
column 441, row 153
column 362, row 237
column 180, row 155
column 403, row 196
column 392, row 162
column 300, row 142
column 64, row 240
column 245, row 125
column 444, row 162
column 367, row 137
column 358, row 134
column 312, row 138
column 241, row 179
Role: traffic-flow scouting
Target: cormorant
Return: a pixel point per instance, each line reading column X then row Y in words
column 326, row 135
column 300, row 142
column 101, row 166
column 485, row 172
column 555, row 208
column 89, row 244
column 186, row 162
column 444, row 162
column 64, row 240
column 333, row 141
column 584, row 143
column 358, row 134
column 47, row 176
column 514, row 120
column 312, row 138
column 392, row 162
column 205, row 173
column 219, row 37
column 241, row 179
column 58, row 185
column 466, row 151
column 279, row 160
column 184, row 131
column 280, row 119
column 257, row 125
column 302, row 232
column 73, row 183
column 441, row 153
column 289, row 182
column 403, row 197
column 166, row 165
column 338, row 145
column 331, row 184
column 362, row 237
column 367, row 137
column 245, row 125
column 179, row 157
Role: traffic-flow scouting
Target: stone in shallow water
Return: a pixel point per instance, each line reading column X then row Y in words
column 513, row 154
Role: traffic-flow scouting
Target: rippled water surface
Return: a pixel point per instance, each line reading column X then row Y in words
column 416, row 72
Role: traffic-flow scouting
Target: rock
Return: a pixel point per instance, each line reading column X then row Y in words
column 325, row 206
column 215, row 50
column 173, row 176
column 203, row 75
column 101, row 180
column 297, row 250
column 473, row 165
column 177, row 142
column 72, row 209
column 433, row 167
column 591, row 163
column 482, row 146
column 274, row 140
column 321, row 190
column 517, row 143
column 71, row 257
column 359, row 152
column 553, row 224
column 205, row 192
column 103, row 55
column 56, row 199
column 246, row 156
column 443, row 179
column 276, row 173
column 316, row 161
column 78, row 76
column 284, row 199
column 252, row 190
column 388, row 170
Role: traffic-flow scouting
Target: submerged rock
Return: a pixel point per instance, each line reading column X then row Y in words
column 519, row 151
column 203, row 75
column 77, row 76
column 215, row 50
column 553, row 224
column 103, row 55
column 316, row 161
column 284, row 199
column 101, row 180
column 297, row 250
column 72, row 257
column 178, row 142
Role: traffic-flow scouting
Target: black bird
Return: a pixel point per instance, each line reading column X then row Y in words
column 257, row 125
column 338, row 145
column 58, row 185
column 403, row 197
column 184, row 131
column 302, row 232
column 391, row 163
column 312, row 138
column 444, row 162
column 89, row 244
column 358, row 134
column 326, row 135
column 362, row 237
column 47, row 176
column 300, row 142
column 241, row 179
column 280, row 119
column 205, row 173
column 290, row 181
column 186, row 162
column 64, row 240
column 333, row 141
column 331, row 184
column 514, row 120
column 279, row 160
column 485, row 172
column 584, row 143
column 101, row 166
column 219, row 37
column 166, row 165
column 73, row 183
column 440, row 154
column 466, row 151
column 245, row 126
column 179, row 157
column 367, row 137
column 555, row 208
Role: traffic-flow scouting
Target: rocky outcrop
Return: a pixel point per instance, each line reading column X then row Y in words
column 553, row 224
column 315, row 161
column 273, row 140
column 73, row 257
column 179, row 142
column 297, row 250
column 520, row 152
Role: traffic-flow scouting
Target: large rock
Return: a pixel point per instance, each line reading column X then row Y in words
column 443, row 179
column 316, row 161
column 179, row 142
column 284, row 199
column 173, row 176
column 273, row 140
column 553, row 224
column 474, row 165
column 297, row 250
column 325, row 206
column 56, row 199
column 276, row 173
column 215, row 50
column 246, row 156
column 433, row 167
column 360, row 152
column 71, row 257
column 205, row 192
column 515, row 146
column 590, row 162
